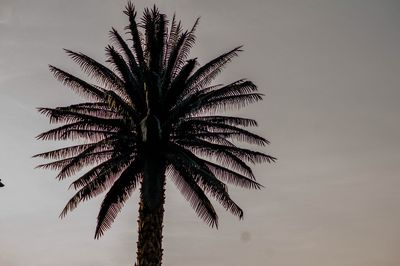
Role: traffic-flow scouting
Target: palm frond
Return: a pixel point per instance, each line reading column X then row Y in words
column 226, row 120
column 132, row 88
column 244, row 154
column 94, row 154
column 115, row 163
column 213, row 137
column 81, row 87
column 154, row 25
column 116, row 197
column 64, row 152
column 239, row 87
column 234, row 102
column 223, row 157
column 178, row 83
column 195, row 124
column 124, row 49
column 193, row 193
column 96, row 70
column 173, row 57
column 206, row 179
column 135, row 33
column 174, row 32
column 231, row 177
column 96, row 181
column 98, row 109
column 70, row 166
column 184, row 49
column 205, row 74
column 73, row 132
column 215, row 99
column 67, row 115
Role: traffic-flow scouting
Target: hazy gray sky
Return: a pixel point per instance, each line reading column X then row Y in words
column 331, row 74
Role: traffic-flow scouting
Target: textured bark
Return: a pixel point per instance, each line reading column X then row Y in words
column 151, row 210
column 149, row 245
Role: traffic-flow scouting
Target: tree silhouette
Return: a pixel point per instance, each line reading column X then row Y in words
column 153, row 114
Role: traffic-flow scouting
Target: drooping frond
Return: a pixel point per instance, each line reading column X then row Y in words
column 231, row 177
column 96, row 181
column 206, row 179
column 193, row 193
column 116, row 197
column 223, row 157
column 116, row 163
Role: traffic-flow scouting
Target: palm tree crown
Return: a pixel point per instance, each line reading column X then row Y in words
column 151, row 114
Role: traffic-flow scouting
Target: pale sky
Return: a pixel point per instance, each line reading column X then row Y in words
column 330, row 71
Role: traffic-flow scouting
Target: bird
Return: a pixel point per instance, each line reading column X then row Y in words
column 1, row 184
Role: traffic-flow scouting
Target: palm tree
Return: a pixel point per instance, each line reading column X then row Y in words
column 153, row 114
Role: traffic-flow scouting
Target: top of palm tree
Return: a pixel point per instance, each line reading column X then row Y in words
column 154, row 103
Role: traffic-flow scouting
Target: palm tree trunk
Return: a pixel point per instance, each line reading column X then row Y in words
column 152, row 194
column 149, row 245
column 151, row 214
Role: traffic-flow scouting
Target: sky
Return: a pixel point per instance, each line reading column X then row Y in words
column 330, row 72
